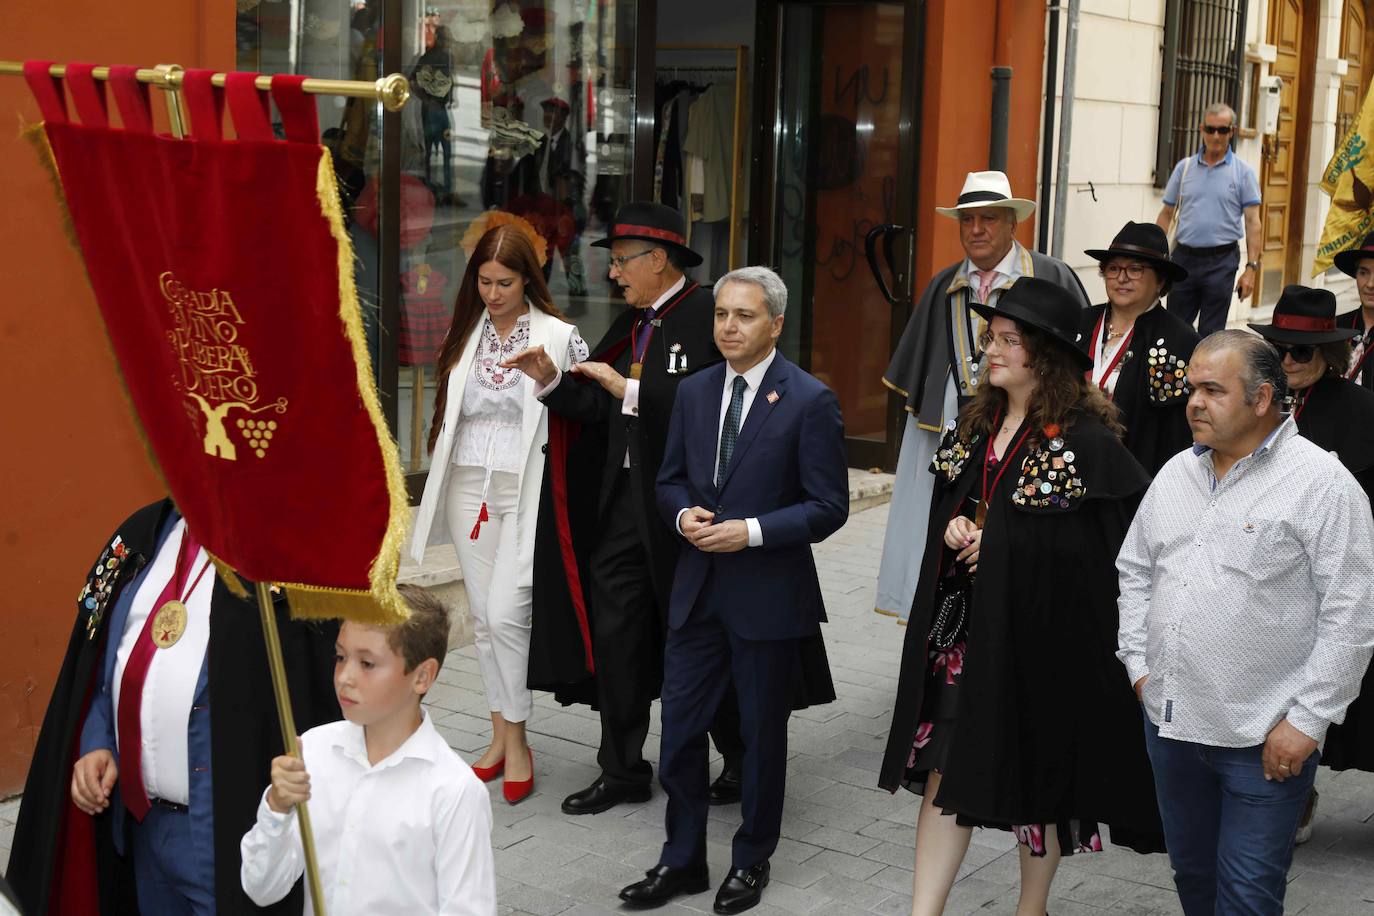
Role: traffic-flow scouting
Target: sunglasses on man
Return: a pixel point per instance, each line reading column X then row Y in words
column 1301, row 353
column 1209, row 129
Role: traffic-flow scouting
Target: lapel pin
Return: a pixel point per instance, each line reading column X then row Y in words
column 773, row 397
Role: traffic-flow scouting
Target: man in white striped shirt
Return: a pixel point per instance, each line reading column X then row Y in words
column 1246, row 624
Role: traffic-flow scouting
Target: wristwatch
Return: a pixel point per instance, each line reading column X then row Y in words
column 1253, row 265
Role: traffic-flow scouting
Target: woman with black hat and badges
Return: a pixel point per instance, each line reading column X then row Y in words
column 1012, row 709
column 1359, row 263
column 1338, row 415
column 1140, row 350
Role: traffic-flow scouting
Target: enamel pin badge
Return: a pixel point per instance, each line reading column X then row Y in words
column 677, row 360
column 773, row 397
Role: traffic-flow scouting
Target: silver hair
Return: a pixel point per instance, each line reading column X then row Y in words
column 1219, row 108
column 766, row 279
column 1263, row 364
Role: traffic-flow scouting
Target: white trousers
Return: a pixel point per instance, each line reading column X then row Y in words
column 500, row 608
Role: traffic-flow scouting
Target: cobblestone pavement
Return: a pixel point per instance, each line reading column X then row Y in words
column 847, row 846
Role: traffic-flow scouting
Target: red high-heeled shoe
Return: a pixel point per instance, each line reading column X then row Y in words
column 487, row 774
column 517, row 791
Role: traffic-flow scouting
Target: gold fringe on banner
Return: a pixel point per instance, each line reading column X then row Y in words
column 382, row 604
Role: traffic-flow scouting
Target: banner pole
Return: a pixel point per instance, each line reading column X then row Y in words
column 288, row 735
column 391, row 91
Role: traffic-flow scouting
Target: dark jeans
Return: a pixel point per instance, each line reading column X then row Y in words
column 1206, row 295
column 1229, row 830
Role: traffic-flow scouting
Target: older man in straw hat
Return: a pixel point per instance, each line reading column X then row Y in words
column 937, row 362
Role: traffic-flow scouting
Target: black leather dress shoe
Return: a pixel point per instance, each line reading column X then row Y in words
column 601, row 796
column 725, row 790
column 663, row 882
column 742, row 889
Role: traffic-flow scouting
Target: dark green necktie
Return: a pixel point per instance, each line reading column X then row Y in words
column 730, row 431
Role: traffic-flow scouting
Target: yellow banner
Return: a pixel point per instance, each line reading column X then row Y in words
column 1349, row 181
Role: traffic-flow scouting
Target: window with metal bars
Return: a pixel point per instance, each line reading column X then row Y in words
column 1204, row 50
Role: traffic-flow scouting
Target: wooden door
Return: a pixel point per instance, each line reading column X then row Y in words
column 1282, row 174
column 1355, row 48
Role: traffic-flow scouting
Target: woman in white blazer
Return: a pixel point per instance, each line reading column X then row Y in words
column 482, row 494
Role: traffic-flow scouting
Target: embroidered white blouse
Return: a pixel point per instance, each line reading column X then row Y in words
column 493, row 400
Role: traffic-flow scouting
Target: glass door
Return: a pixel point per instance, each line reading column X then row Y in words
column 843, row 156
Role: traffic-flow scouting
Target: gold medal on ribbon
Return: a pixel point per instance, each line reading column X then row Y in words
column 980, row 515
column 169, row 624
column 636, row 370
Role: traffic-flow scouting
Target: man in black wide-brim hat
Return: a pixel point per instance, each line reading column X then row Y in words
column 1338, row 415
column 604, row 559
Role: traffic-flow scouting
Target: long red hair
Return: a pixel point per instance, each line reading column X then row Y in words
column 508, row 247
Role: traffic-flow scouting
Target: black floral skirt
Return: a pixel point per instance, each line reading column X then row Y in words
column 935, row 736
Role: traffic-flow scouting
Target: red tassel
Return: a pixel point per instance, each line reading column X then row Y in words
column 481, row 517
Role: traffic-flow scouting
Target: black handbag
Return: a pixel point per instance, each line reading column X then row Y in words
column 953, row 596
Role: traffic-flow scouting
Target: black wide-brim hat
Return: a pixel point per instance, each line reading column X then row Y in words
column 1304, row 315
column 1348, row 261
column 1143, row 242
column 651, row 222
column 1045, row 306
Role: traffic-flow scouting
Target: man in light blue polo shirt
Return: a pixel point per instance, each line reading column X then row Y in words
column 1216, row 197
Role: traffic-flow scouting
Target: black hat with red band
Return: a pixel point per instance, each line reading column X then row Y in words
column 653, row 223
column 1304, row 316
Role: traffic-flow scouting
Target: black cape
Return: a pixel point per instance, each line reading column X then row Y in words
column 588, row 438
column 1152, row 396
column 1338, row 415
column 53, row 848
column 922, row 358
column 1048, row 727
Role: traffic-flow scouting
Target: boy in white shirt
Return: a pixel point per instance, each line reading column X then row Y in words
column 401, row 823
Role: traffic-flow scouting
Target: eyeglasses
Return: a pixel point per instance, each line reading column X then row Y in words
column 1005, row 341
column 1209, row 129
column 1301, row 353
column 619, row 263
column 1132, row 271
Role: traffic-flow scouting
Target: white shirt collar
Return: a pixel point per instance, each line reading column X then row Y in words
column 754, row 376
column 352, row 743
column 672, row 291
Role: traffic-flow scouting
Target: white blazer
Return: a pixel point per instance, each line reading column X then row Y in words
column 431, row 523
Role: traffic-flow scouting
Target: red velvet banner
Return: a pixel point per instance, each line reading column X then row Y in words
column 223, row 272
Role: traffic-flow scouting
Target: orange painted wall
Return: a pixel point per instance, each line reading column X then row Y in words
column 956, row 111
column 72, row 463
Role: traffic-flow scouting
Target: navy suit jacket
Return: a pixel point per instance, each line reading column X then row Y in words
column 788, row 470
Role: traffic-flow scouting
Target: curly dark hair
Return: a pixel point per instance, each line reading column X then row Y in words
column 1062, row 393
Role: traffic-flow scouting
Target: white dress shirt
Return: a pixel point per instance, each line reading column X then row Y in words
column 410, row 835
column 169, row 689
column 1250, row 599
column 753, row 378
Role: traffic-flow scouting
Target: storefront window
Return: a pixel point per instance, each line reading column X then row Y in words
column 520, row 110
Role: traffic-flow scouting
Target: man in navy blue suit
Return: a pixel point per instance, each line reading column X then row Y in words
column 753, row 474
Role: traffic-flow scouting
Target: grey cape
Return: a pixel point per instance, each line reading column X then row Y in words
column 922, row 360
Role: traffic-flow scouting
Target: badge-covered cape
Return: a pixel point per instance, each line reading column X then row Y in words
column 1048, row 727
column 1152, row 388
